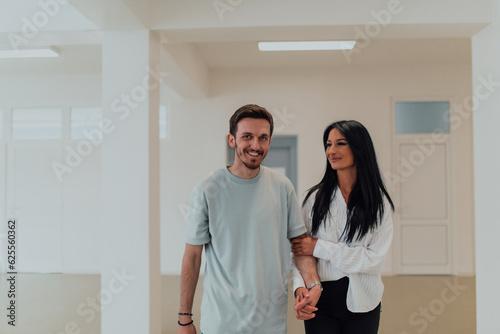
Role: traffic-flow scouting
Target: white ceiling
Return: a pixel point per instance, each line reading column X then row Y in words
column 415, row 37
column 52, row 17
column 73, row 59
column 84, row 59
column 378, row 52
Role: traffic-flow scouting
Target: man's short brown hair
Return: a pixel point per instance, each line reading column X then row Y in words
column 250, row 111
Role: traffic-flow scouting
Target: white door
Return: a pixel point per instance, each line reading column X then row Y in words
column 3, row 214
column 34, row 200
column 423, row 219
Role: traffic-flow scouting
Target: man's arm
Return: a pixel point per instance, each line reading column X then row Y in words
column 191, row 263
column 306, row 300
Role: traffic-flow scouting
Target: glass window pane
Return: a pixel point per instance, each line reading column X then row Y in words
column 84, row 121
column 1, row 123
column 423, row 117
column 164, row 122
column 36, row 123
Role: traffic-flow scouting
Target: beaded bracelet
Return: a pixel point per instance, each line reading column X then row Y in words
column 189, row 323
column 191, row 314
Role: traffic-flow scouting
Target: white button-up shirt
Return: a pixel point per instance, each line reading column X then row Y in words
column 361, row 261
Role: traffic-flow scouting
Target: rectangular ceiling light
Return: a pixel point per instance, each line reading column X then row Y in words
column 29, row 53
column 306, row 46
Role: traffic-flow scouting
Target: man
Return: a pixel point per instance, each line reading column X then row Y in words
column 243, row 216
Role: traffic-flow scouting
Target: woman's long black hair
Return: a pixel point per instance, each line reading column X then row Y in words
column 366, row 202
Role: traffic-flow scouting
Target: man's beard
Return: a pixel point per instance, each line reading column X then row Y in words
column 253, row 166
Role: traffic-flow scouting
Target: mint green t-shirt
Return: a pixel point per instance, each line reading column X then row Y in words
column 245, row 225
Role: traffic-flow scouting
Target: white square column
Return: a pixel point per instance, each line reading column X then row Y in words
column 130, row 212
column 486, row 101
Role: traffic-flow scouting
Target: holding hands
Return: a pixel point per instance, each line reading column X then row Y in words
column 305, row 303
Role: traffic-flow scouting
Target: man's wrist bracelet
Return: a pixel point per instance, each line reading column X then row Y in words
column 189, row 323
column 190, row 314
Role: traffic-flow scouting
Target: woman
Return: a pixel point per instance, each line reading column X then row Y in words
column 348, row 217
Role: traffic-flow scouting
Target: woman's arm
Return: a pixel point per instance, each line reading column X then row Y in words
column 352, row 259
column 360, row 259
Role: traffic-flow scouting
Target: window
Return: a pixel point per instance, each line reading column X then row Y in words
column 84, row 120
column 1, row 123
column 36, row 123
column 422, row 117
column 165, row 122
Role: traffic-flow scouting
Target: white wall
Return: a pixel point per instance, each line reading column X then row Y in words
column 314, row 98
column 486, row 53
column 56, row 90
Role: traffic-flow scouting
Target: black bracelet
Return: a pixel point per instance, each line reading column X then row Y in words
column 191, row 314
column 189, row 323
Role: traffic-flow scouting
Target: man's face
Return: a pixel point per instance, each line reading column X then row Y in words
column 251, row 142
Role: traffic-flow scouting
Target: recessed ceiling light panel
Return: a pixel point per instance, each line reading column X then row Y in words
column 306, row 45
column 29, row 53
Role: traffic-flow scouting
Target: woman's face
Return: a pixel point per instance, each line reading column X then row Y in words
column 338, row 152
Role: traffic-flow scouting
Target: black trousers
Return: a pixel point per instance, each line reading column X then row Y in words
column 333, row 317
